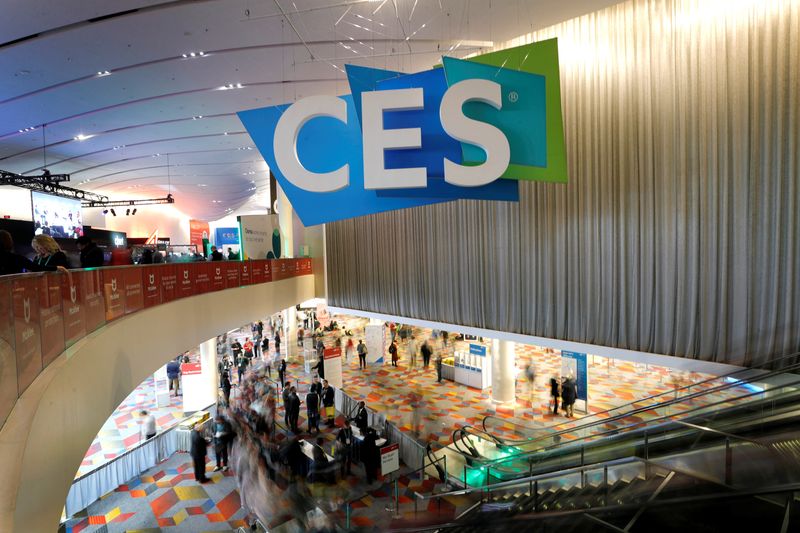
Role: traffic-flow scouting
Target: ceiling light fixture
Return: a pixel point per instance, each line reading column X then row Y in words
column 82, row 137
column 127, row 212
column 113, row 212
column 103, row 73
column 105, row 211
column 230, row 86
column 134, row 211
column 26, row 130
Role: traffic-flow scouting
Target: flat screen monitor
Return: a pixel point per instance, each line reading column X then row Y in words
column 55, row 216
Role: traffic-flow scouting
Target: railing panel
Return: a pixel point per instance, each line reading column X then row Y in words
column 8, row 360
column 28, row 347
column 42, row 314
column 51, row 317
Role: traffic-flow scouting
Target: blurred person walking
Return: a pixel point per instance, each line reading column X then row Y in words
column 393, row 352
column 344, row 440
column 426, row 351
column 148, row 428
column 223, row 435
column 411, row 349
column 555, row 392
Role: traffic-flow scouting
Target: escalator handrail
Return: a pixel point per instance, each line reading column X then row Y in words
column 671, row 392
column 652, row 421
column 525, row 518
column 681, row 399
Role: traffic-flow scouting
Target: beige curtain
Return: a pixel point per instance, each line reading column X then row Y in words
column 679, row 231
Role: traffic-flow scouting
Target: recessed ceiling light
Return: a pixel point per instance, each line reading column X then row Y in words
column 225, row 133
column 103, row 73
column 26, row 130
column 82, row 137
column 201, row 184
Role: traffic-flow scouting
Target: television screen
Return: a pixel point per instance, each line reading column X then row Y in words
column 56, row 216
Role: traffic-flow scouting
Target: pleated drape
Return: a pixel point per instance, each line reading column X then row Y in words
column 678, row 231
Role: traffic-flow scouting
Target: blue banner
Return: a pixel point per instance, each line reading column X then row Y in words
column 225, row 236
column 477, row 349
column 573, row 364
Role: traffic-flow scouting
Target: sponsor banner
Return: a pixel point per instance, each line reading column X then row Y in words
column 231, row 274
column 151, row 286
column 304, row 267
column 191, row 369
column 291, row 267
column 261, row 237
column 202, row 279
column 169, row 283
column 8, row 363
column 245, row 271
column 217, row 276
column 199, row 230
column 186, row 279
column 332, row 362
column 279, row 270
column 225, row 236
column 114, row 292
column 134, row 290
column 25, row 300
column 73, row 304
column 257, row 271
column 51, row 319
column 267, row 267
column 95, row 309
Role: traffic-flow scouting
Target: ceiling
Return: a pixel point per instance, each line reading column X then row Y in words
column 163, row 121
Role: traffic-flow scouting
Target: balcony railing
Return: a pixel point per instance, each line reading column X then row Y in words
column 42, row 314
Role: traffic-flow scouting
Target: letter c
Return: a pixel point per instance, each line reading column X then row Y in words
column 284, row 143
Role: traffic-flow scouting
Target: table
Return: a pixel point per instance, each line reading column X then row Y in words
column 183, row 436
column 359, row 439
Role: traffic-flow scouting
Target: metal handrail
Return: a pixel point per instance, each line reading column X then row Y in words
column 617, row 430
column 670, row 392
column 657, row 406
column 777, row 489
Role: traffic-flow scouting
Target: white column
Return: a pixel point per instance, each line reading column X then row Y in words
column 503, row 371
column 200, row 390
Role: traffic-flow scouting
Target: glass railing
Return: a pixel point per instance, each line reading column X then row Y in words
column 624, row 437
column 43, row 314
column 657, row 403
column 728, row 465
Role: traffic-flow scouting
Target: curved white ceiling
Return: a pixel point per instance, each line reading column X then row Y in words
column 144, row 134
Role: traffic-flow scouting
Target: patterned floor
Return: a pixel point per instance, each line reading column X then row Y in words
column 166, row 498
column 121, row 430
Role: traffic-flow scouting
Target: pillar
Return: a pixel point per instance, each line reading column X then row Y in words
column 503, row 371
column 285, row 222
column 200, row 390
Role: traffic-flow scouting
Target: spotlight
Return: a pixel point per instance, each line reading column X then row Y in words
column 105, row 211
column 127, row 212
column 113, row 212
column 134, row 211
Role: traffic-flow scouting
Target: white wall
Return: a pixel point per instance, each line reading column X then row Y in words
column 169, row 221
column 15, row 203
column 47, row 434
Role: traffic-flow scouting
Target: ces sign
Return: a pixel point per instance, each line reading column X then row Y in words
column 470, row 129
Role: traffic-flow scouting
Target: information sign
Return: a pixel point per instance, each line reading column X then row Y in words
column 573, row 365
column 390, row 459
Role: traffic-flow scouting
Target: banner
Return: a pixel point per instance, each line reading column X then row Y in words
column 51, row 317
column 226, row 236
column 169, row 283
column 260, row 237
column 573, row 365
column 199, row 230
column 8, row 363
column 231, row 269
column 28, row 348
column 151, row 281
column 134, row 295
column 217, row 276
column 187, row 273
column 244, row 273
column 114, row 292
column 191, row 369
column 94, row 302
column 332, row 362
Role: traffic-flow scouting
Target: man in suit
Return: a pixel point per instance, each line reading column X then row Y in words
column 294, row 410
column 361, row 417
column 312, row 409
column 344, row 441
column 198, row 452
column 327, row 401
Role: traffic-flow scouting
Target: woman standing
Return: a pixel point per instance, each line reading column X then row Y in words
column 48, row 252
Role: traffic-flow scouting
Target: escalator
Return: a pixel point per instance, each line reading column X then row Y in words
column 478, row 457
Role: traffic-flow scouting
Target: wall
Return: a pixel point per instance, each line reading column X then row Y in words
column 169, row 221
column 15, row 203
column 678, row 231
column 54, row 422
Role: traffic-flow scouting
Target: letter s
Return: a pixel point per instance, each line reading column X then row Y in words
column 485, row 136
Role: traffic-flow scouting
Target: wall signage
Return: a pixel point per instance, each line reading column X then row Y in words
column 471, row 129
column 224, row 236
column 573, row 365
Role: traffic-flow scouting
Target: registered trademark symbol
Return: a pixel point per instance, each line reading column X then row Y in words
column 513, row 96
